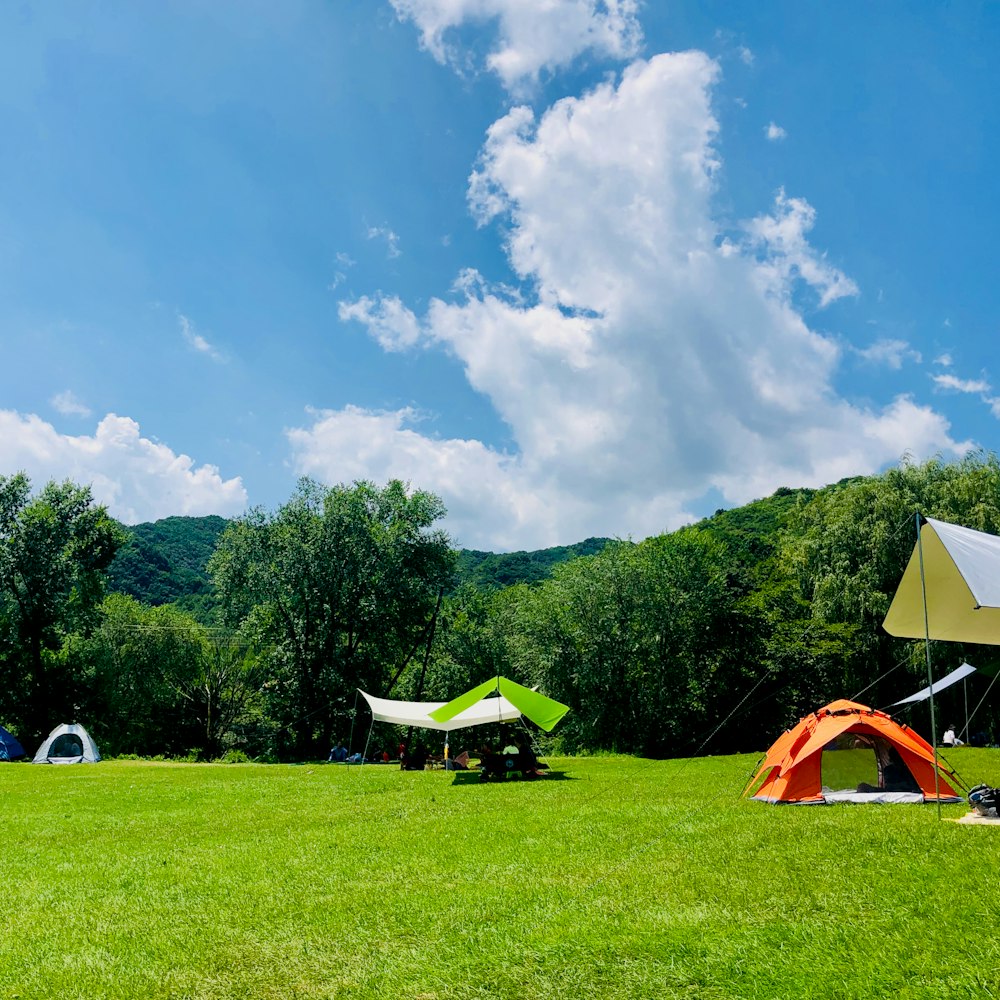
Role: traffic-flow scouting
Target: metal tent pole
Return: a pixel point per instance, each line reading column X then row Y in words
column 364, row 756
column 930, row 678
column 965, row 692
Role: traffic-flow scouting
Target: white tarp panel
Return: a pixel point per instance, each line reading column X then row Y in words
column 417, row 713
column 924, row 693
column 962, row 577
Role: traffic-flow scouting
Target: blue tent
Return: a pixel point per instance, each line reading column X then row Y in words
column 10, row 749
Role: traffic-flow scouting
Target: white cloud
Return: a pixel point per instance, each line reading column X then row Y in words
column 775, row 132
column 645, row 361
column 481, row 486
column 196, row 341
column 69, row 405
column 955, row 384
column 788, row 254
column 944, row 360
column 391, row 239
column 138, row 479
column 393, row 325
column 344, row 260
column 746, row 55
column 891, row 353
column 532, row 35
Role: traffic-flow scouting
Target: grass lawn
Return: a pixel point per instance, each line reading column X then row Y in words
column 621, row 878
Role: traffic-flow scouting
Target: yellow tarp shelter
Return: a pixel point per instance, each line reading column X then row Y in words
column 961, row 576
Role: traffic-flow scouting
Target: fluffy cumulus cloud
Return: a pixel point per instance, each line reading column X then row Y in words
column 482, row 486
column 647, row 360
column 389, row 321
column 138, row 479
column 532, row 35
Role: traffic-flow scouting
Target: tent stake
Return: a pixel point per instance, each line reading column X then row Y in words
column 930, row 678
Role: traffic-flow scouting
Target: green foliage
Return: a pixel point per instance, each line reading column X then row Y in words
column 848, row 546
column 161, row 683
column 625, row 879
column 647, row 643
column 763, row 612
column 341, row 583
column 504, row 569
column 54, row 549
column 165, row 562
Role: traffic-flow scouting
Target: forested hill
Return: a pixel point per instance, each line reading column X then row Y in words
column 164, row 562
column 758, row 614
column 492, row 569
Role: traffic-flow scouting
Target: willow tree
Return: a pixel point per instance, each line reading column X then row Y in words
column 849, row 544
column 340, row 583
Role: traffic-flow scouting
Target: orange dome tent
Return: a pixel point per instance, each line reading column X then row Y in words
column 791, row 770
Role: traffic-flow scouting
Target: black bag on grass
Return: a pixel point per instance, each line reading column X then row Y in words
column 985, row 800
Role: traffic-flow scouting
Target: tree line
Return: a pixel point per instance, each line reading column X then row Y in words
column 710, row 639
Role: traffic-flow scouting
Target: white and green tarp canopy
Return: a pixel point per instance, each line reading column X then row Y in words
column 961, row 576
column 544, row 712
column 418, row 713
column 498, row 700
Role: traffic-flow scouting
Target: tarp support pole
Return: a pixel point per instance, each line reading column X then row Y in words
column 965, row 691
column 930, row 678
column 364, row 756
column 968, row 724
column 354, row 715
column 532, row 742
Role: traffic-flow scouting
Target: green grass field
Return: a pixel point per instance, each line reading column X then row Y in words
column 616, row 878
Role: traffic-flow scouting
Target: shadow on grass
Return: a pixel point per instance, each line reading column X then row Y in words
column 473, row 778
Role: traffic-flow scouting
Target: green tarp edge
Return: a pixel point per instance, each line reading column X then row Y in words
column 448, row 712
column 544, row 712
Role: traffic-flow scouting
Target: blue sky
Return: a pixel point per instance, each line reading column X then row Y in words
column 580, row 267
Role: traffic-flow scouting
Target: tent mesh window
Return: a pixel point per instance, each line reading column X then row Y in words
column 865, row 764
column 66, row 745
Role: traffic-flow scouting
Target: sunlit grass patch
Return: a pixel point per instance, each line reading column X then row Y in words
column 627, row 878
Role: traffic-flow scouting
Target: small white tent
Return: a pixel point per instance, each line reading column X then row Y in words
column 69, row 743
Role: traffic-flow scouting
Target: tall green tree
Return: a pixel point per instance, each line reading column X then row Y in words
column 54, row 550
column 340, row 582
column 647, row 643
column 159, row 682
